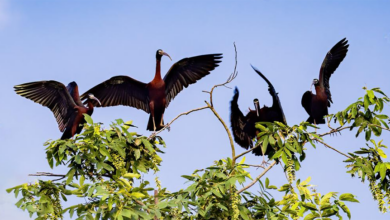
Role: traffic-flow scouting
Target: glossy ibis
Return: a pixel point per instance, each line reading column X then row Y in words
column 156, row 95
column 244, row 126
column 317, row 105
column 63, row 101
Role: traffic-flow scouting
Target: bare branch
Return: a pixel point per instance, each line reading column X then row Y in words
column 334, row 131
column 378, row 126
column 230, row 79
column 259, row 166
column 226, row 128
column 167, row 125
column 257, row 178
column 57, row 175
column 328, row 146
column 245, row 152
column 49, row 174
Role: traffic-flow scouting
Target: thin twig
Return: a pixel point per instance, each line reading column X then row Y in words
column 155, row 201
column 245, row 152
column 167, row 125
column 378, row 126
column 328, row 146
column 226, row 128
column 231, row 78
column 257, row 178
column 57, row 175
column 334, row 131
column 250, row 165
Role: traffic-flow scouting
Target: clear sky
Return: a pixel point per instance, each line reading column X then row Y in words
column 91, row 41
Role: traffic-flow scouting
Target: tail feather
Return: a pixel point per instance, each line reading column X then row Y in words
column 150, row 126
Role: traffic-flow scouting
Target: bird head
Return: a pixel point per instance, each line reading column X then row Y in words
column 161, row 53
column 257, row 106
column 315, row 83
column 91, row 96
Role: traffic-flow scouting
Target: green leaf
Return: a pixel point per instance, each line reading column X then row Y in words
column 132, row 175
column 78, row 159
column 309, row 205
column 348, row 197
column 137, row 195
column 271, row 140
column 162, row 205
column 70, row 175
column 311, row 216
column 382, row 171
column 88, row 119
column 381, row 153
column 344, row 208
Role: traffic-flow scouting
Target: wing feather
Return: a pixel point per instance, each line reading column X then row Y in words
column 239, row 124
column 51, row 94
column 187, row 71
column 121, row 90
column 332, row 60
column 306, row 101
column 276, row 101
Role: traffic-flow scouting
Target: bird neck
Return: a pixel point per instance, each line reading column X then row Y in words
column 158, row 70
column 90, row 107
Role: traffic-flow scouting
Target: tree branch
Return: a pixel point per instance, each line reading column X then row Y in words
column 334, row 131
column 328, row 146
column 167, row 125
column 378, row 126
column 231, row 78
column 257, row 178
column 245, row 152
column 57, row 175
column 226, row 128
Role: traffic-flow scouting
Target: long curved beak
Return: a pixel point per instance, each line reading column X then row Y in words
column 257, row 109
column 311, row 86
column 97, row 100
column 167, row 55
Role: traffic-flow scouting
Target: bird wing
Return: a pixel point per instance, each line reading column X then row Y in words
column 51, row 94
column 239, row 123
column 73, row 90
column 276, row 101
column 187, row 71
column 306, row 101
column 332, row 60
column 121, row 90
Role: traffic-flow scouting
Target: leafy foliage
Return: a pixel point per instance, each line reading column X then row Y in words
column 105, row 167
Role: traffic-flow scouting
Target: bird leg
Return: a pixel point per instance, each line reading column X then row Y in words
column 315, row 124
column 154, row 125
column 264, row 163
column 167, row 125
column 333, row 130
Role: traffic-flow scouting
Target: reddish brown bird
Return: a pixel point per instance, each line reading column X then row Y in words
column 63, row 101
column 243, row 127
column 156, row 95
column 317, row 105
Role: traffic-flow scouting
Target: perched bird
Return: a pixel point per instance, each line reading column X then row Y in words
column 63, row 101
column 317, row 105
column 243, row 127
column 156, row 95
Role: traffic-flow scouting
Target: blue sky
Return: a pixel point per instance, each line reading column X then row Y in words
column 91, row 41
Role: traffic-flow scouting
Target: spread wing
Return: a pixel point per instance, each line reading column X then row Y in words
column 73, row 90
column 239, row 124
column 276, row 101
column 332, row 60
column 51, row 94
column 187, row 71
column 121, row 90
column 306, row 101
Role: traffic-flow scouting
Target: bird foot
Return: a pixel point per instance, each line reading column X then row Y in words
column 168, row 126
column 264, row 163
